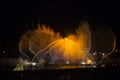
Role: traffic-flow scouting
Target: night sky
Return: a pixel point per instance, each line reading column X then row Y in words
column 16, row 17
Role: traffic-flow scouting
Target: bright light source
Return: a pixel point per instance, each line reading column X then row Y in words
column 103, row 54
column 33, row 64
column 89, row 61
column 67, row 62
column 83, row 63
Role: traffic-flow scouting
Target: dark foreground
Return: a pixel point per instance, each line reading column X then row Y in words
column 102, row 73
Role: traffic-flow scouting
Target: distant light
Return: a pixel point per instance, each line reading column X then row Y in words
column 103, row 65
column 67, row 62
column 29, row 63
column 83, row 63
column 4, row 51
column 116, row 50
column 94, row 53
column 103, row 54
column 33, row 64
column 89, row 61
column 94, row 66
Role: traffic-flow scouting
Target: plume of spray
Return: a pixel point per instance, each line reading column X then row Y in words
column 45, row 44
column 35, row 40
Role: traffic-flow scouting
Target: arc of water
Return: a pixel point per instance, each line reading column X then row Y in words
column 25, row 54
column 114, row 46
column 52, row 45
column 42, row 50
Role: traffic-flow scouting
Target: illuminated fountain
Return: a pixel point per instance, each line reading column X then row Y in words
column 50, row 48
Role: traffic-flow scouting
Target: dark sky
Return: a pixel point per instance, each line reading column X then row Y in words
column 62, row 15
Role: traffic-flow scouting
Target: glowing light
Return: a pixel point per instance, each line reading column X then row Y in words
column 48, row 46
column 89, row 61
column 83, row 63
column 72, row 50
column 67, row 62
column 33, row 63
column 103, row 54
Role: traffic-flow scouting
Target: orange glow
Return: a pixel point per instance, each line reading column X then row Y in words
column 72, row 50
column 89, row 61
column 44, row 41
